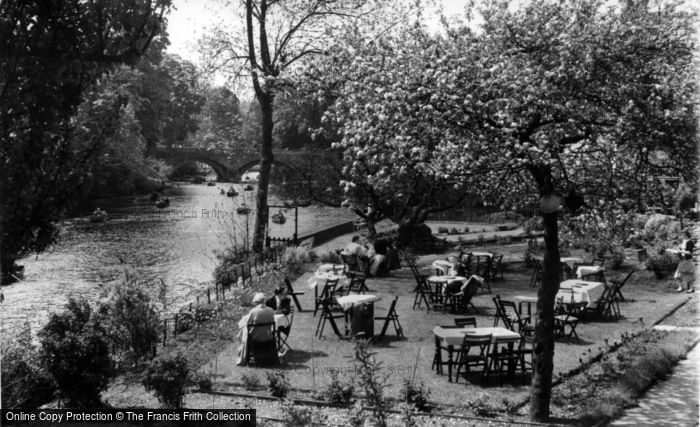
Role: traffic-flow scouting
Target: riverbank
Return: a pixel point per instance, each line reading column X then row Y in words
column 176, row 245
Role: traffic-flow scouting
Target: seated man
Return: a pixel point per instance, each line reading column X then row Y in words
column 353, row 254
column 258, row 315
column 378, row 258
column 280, row 302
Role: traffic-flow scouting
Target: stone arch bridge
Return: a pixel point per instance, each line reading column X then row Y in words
column 232, row 164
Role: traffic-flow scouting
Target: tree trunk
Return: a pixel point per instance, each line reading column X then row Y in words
column 266, row 158
column 543, row 363
column 371, row 229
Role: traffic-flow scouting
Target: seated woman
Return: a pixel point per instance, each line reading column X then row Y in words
column 258, row 315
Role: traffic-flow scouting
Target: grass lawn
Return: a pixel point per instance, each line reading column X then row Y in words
column 309, row 367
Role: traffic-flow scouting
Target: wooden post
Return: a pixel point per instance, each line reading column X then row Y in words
column 165, row 331
column 175, row 330
column 208, row 296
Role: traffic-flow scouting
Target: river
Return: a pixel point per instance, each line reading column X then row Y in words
column 176, row 244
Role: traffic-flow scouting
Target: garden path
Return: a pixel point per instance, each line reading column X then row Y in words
column 673, row 402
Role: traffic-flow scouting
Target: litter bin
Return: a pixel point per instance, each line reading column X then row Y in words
column 362, row 320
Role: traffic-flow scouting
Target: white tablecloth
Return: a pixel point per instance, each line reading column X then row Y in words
column 583, row 291
column 348, row 301
column 585, row 270
column 322, row 277
column 336, row 268
column 455, row 336
column 446, row 267
column 484, row 254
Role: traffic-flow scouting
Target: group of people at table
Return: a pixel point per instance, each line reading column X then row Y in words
column 272, row 316
column 276, row 310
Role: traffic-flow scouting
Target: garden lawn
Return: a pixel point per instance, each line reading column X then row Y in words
column 309, row 367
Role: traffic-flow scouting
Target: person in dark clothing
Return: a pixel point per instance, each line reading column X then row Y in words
column 686, row 267
column 280, row 302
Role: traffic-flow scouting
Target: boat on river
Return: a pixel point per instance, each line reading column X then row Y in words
column 232, row 192
column 163, row 203
column 248, row 187
column 222, row 191
column 211, row 183
column 243, row 210
column 279, row 218
column 98, row 215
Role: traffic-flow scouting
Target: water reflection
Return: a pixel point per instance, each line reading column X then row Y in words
column 176, row 244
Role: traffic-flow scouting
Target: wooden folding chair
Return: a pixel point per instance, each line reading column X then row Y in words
column 536, row 278
column 500, row 315
column 497, row 267
column 262, row 352
column 462, row 300
column 422, row 291
column 357, row 284
column 567, row 316
column 391, row 317
column 283, row 333
column 293, row 294
column 327, row 294
column 465, row 321
column 604, row 308
column 505, row 357
column 438, row 299
column 477, row 359
column 327, row 315
column 511, row 312
column 618, row 284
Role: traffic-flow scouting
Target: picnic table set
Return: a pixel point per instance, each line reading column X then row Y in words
column 357, row 309
column 346, row 306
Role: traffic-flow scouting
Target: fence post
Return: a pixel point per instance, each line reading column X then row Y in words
column 165, row 331
column 208, row 296
column 175, row 330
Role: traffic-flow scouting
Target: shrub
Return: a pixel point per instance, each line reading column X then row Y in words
column 454, row 231
column 618, row 257
column 132, row 319
column 329, row 257
column 25, row 382
column 296, row 416
column 277, row 384
column 227, row 271
column 76, row 353
column 371, row 381
column 204, row 382
column 167, row 376
column 337, row 392
column 184, row 322
column 201, row 313
column 443, row 230
column 251, row 382
column 661, row 264
column 294, row 259
column 416, row 395
column 466, row 229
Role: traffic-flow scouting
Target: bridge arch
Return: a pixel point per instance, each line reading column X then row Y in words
column 222, row 171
